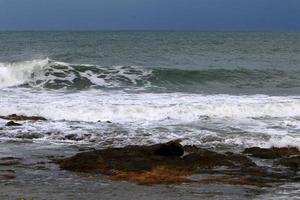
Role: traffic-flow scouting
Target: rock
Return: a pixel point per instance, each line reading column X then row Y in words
column 72, row 137
column 232, row 181
column 9, row 158
column 8, row 161
column 293, row 162
column 173, row 148
column 271, row 153
column 158, row 175
column 8, row 176
column 29, row 135
column 12, row 123
column 158, row 164
column 209, row 160
column 15, row 117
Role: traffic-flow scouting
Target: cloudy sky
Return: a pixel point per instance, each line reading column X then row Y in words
column 205, row 15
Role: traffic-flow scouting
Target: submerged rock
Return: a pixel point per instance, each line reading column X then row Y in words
column 12, row 123
column 15, row 117
column 271, row 153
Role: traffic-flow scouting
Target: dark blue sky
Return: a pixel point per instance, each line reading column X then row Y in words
column 237, row 15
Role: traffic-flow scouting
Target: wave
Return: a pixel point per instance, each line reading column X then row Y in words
column 56, row 75
column 217, row 119
column 92, row 105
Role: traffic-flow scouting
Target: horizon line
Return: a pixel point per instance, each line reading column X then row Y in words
column 148, row 30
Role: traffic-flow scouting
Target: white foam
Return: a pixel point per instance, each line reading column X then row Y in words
column 37, row 73
column 266, row 120
column 122, row 107
column 14, row 74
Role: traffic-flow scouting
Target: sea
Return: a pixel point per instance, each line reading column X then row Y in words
column 221, row 90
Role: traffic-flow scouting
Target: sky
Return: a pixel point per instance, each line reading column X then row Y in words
column 200, row 15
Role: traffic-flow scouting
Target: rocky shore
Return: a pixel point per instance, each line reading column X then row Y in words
column 173, row 163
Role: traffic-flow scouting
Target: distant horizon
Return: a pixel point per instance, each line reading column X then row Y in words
column 153, row 30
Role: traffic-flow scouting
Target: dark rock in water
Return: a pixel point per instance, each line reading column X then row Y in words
column 29, row 135
column 10, row 158
column 8, row 176
column 209, row 160
column 12, row 123
column 8, row 161
column 15, row 117
column 76, row 137
column 173, row 148
column 71, row 137
column 292, row 162
column 272, row 153
column 163, row 164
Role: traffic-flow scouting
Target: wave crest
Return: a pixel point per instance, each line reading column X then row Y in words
column 56, row 75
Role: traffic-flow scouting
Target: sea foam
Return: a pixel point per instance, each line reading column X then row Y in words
column 14, row 74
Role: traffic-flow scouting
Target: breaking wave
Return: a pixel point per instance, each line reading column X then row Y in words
column 56, row 75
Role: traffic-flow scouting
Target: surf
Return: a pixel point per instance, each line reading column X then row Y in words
column 51, row 74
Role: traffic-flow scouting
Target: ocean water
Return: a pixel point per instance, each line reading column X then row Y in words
column 221, row 90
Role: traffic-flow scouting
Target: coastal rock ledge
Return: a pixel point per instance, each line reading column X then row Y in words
column 15, row 117
column 172, row 163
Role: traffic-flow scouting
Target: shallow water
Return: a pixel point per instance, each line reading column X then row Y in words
column 38, row 178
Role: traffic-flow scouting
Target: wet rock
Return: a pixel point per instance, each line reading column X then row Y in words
column 173, row 148
column 9, row 161
column 15, row 117
column 158, row 175
column 29, row 136
column 8, row 176
column 157, row 164
column 292, row 162
column 72, row 137
column 271, row 153
column 208, row 160
column 10, row 158
column 232, row 181
column 12, row 123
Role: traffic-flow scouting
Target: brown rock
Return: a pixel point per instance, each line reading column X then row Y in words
column 157, row 175
column 15, row 117
column 8, row 176
column 156, row 164
column 271, row 153
column 293, row 162
column 8, row 161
